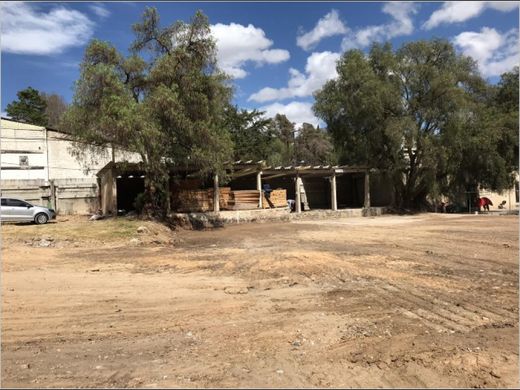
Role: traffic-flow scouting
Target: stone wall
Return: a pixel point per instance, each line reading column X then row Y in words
column 211, row 220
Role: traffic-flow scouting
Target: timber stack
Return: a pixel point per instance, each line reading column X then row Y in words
column 201, row 200
column 278, row 198
column 244, row 200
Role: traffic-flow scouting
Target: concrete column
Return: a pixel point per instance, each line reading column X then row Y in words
column 53, row 195
column 259, row 188
column 367, row 190
column 298, row 199
column 216, row 194
column 333, row 197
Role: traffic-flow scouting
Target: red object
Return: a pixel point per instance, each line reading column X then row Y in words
column 484, row 202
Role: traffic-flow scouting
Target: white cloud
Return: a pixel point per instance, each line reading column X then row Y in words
column 27, row 30
column 320, row 67
column 494, row 52
column 401, row 24
column 504, row 6
column 460, row 11
column 100, row 10
column 238, row 45
column 297, row 112
column 327, row 26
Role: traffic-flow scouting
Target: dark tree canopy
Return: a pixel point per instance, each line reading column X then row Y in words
column 250, row 133
column 30, row 107
column 313, row 146
column 283, row 147
column 165, row 101
column 55, row 109
column 419, row 113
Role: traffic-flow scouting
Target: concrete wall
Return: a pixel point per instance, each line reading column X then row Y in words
column 27, row 141
column 52, row 157
column 66, row 161
column 71, row 196
column 510, row 196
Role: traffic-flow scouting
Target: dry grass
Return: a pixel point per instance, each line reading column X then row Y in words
column 79, row 229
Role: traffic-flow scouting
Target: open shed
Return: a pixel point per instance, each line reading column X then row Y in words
column 326, row 186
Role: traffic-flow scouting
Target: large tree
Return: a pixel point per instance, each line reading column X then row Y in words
column 403, row 111
column 481, row 146
column 283, row 132
column 55, row 109
column 313, row 146
column 165, row 101
column 30, row 107
column 250, row 133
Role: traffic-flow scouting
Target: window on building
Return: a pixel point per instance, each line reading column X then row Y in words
column 24, row 161
column 4, row 202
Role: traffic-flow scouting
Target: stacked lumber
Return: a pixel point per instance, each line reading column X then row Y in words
column 201, row 200
column 278, row 198
column 243, row 199
column 224, row 197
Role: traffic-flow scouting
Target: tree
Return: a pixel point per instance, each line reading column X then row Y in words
column 283, row 144
column 55, row 109
column 313, row 146
column 30, row 107
column 165, row 101
column 250, row 133
column 482, row 146
column 394, row 110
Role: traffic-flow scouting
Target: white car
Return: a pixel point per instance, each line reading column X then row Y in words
column 17, row 210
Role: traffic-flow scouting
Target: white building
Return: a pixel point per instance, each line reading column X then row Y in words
column 47, row 167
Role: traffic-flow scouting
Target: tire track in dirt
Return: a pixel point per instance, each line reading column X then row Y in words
column 458, row 317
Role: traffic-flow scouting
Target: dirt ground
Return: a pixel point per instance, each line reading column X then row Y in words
column 393, row 301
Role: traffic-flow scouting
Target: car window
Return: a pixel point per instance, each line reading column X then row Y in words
column 16, row 203
column 4, row 202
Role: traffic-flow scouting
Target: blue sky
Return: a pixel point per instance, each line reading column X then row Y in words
column 277, row 53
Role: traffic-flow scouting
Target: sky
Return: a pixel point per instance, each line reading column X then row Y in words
column 277, row 53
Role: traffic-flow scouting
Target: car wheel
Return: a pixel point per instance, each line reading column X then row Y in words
column 41, row 218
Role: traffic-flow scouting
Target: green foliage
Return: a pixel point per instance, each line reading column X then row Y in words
column 30, row 107
column 282, row 131
column 313, row 146
column 482, row 146
column 250, row 133
column 166, row 101
column 425, row 116
column 55, row 109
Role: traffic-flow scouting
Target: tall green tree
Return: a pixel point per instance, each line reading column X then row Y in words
column 394, row 110
column 30, row 107
column 482, row 144
column 55, row 109
column 283, row 146
column 250, row 133
column 313, row 146
column 165, row 101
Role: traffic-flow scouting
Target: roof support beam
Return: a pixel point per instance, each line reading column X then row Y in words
column 367, row 190
column 216, row 194
column 333, row 197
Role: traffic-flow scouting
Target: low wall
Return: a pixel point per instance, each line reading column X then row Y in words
column 210, row 220
column 71, row 196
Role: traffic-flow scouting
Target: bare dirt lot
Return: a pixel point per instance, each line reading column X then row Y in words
column 416, row 301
